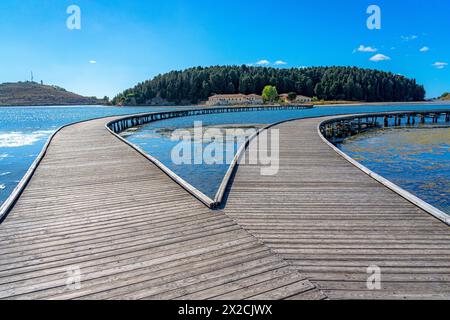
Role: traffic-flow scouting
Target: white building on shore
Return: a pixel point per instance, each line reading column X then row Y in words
column 298, row 98
column 303, row 99
column 234, row 99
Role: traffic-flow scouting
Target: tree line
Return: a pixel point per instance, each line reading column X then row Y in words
column 194, row 85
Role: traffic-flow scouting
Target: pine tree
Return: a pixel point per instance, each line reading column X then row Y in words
column 330, row 83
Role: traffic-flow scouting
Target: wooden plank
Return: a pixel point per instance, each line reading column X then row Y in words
column 331, row 221
column 96, row 204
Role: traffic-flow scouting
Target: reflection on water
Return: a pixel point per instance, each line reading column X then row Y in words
column 416, row 159
column 206, row 175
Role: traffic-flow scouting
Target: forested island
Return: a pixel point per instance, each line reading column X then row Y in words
column 195, row 85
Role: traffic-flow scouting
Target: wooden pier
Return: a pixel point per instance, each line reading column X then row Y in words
column 332, row 221
column 340, row 128
column 98, row 210
column 123, row 123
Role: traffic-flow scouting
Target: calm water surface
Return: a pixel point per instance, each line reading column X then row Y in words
column 417, row 159
column 24, row 131
column 155, row 138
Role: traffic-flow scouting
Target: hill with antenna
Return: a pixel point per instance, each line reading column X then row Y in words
column 34, row 94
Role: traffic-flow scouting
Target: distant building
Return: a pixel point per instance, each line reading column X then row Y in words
column 234, row 99
column 255, row 99
column 303, row 99
column 298, row 99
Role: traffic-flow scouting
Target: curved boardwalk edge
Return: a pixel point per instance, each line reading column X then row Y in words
column 6, row 207
column 97, row 205
column 176, row 178
column 435, row 212
column 97, row 208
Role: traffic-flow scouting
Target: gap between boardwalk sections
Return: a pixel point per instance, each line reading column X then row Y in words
column 68, row 223
column 119, row 125
column 433, row 114
column 99, row 221
column 338, row 226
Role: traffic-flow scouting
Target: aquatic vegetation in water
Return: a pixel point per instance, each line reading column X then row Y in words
column 416, row 159
column 25, row 130
column 206, row 175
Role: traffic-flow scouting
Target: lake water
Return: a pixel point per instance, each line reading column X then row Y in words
column 416, row 159
column 156, row 138
column 24, row 131
column 207, row 174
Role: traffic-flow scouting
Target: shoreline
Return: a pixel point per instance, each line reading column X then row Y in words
column 412, row 103
column 88, row 105
column 356, row 104
column 53, row 105
column 438, row 102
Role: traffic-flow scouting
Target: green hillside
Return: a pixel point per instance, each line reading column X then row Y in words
column 34, row 94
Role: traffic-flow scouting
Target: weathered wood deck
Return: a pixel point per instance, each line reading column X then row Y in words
column 97, row 205
column 331, row 221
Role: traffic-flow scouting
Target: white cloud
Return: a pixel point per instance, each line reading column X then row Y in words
column 280, row 63
column 409, row 38
column 263, row 62
column 363, row 48
column 92, row 61
column 424, row 49
column 440, row 65
column 379, row 57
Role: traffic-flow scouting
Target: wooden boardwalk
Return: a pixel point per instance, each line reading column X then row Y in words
column 331, row 221
column 96, row 206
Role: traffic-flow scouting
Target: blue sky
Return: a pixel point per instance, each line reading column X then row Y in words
column 134, row 40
